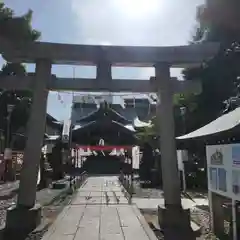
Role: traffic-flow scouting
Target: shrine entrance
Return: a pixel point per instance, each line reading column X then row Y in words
column 102, row 160
column 104, row 57
column 102, row 164
column 102, row 141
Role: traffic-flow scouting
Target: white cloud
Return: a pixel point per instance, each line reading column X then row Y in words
column 105, row 22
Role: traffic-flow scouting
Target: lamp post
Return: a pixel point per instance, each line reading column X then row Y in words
column 8, row 150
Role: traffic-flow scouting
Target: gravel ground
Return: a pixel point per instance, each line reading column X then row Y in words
column 8, row 197
column 202, row 218
column 200, row 215
column 49, row 215
column 4, row 205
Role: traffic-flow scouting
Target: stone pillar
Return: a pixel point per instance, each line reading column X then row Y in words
column 173, row 219
column 36, row 128
column 26, row 208
column 104, row 71
column 104, row 75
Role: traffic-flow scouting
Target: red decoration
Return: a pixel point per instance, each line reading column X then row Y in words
column 103, row 148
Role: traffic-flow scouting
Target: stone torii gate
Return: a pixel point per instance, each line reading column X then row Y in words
column 175, row 219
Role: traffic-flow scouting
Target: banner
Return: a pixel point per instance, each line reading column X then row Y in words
column 104, row 148
column 182, row 156
column 66, row 131
column 136, row 157
column 8, row 154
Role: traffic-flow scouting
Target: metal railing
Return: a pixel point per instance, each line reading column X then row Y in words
column 76, row 181
column 126, row 180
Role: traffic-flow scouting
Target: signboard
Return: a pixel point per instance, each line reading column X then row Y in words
column 182, row 156
column 7, row 154
column 224, row 170
column 218, row 172
column 66, row 131
column 135, row 157
column 180, row 160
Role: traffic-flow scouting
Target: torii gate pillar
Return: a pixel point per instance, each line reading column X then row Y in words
column 28, row 180
column 174, row 220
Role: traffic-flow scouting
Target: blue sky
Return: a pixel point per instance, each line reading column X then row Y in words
column 111, row 22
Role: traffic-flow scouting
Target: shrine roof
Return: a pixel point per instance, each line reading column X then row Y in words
column 92, row 126
column 104, row 112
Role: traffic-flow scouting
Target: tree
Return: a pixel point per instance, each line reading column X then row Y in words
column 217, row 21
column 220, row 75
column 13, row 69
column 20, row 99
column 17, row 31
column 149, row 134
column 220, row 19
column 146, row 163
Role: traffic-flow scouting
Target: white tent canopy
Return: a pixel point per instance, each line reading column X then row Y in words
column 221, row 124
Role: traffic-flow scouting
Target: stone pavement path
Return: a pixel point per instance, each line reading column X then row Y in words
column 100, row 212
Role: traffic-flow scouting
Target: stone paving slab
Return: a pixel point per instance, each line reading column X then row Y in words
column 90, row 217
column 152, row 203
